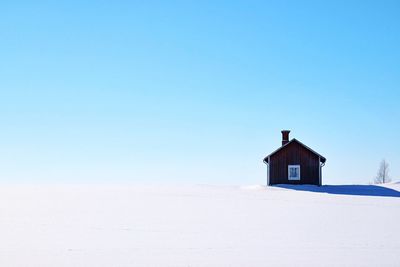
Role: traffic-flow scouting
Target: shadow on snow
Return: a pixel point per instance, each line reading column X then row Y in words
column 355, row 190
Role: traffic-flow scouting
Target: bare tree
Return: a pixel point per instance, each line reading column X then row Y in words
column 383, row 173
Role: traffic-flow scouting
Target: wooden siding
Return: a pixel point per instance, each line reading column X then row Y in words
column 294, row 154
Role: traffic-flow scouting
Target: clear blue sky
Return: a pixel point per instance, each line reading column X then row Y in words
column 196, row 92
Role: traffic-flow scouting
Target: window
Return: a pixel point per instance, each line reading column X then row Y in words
column 294, row 172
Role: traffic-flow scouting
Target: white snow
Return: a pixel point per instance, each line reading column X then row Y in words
column 103, row 225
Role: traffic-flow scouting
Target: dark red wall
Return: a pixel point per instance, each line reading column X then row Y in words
column 294, row 154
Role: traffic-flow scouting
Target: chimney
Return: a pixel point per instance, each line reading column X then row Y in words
column 285, row 137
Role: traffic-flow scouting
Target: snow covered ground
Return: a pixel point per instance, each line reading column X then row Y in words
column 100, row 225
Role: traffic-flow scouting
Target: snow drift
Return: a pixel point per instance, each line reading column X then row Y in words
column 198, row 226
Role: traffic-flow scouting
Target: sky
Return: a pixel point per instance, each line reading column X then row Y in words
column 196, row 92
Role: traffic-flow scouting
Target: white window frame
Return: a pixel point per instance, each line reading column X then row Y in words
column 294, row 178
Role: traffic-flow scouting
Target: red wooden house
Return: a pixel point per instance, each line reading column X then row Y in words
column 294, row 163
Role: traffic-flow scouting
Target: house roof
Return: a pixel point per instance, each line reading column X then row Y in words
column 322, row 158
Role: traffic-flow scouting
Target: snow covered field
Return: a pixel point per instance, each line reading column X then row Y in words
column 99, row 225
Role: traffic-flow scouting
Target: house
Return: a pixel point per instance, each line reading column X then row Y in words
column 294, row 163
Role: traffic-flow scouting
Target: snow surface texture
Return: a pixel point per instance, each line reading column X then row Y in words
column 199, row 226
